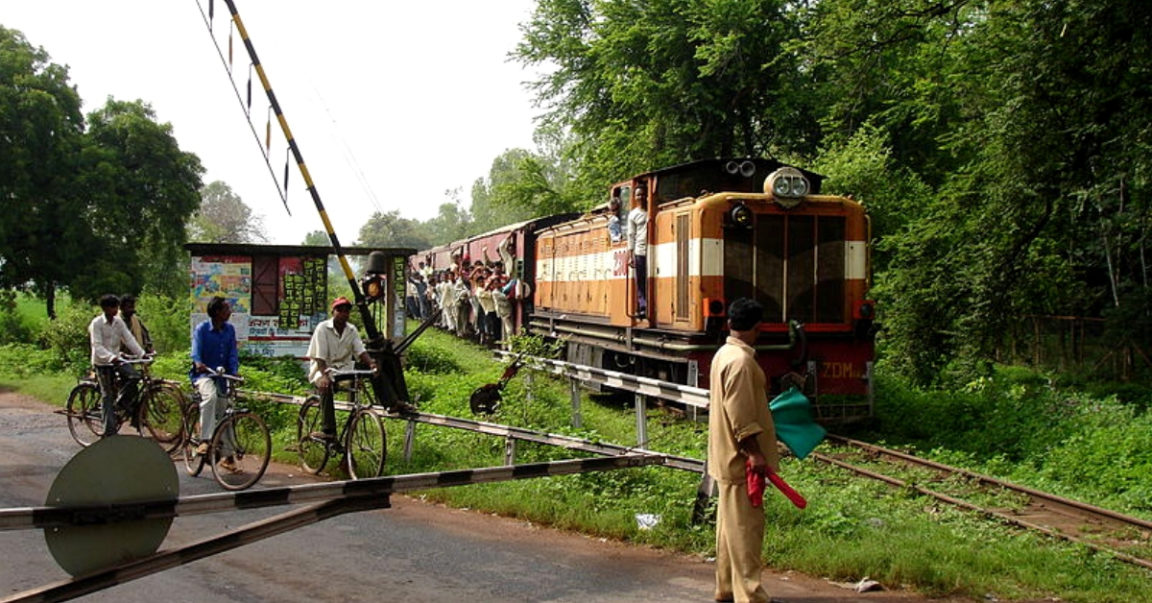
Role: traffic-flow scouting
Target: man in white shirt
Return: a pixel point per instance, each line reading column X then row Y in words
column 335, row 344
column 107, row 333
column 638, row 248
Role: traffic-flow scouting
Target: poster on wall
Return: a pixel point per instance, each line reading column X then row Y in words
column 229, row 277
column 303, row 288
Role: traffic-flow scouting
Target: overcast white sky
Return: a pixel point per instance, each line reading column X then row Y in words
column 391, row 103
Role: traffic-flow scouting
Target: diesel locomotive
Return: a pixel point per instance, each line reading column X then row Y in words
column 717, row 230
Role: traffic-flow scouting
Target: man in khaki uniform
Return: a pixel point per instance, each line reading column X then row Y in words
column 740, row 431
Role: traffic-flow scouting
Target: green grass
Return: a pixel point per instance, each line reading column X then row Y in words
column 852, row 527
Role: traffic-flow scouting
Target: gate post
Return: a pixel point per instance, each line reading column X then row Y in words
column 409, row 439
column 641, row 420
column 509, row 451
column 574, row 387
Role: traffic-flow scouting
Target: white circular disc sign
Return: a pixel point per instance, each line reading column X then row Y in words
column 118, row 469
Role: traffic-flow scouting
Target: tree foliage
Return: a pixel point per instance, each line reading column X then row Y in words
column 223, row 217
column 1001, row 146
column 388, row 229
column 647, row 84
column 41, row 130
column 94, row 207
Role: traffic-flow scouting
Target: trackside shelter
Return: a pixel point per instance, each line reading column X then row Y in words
column 279, row 293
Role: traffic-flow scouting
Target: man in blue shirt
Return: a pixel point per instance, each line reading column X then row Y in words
column 213, row 346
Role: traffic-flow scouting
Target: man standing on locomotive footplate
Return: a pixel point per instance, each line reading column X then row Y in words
column 741, row 438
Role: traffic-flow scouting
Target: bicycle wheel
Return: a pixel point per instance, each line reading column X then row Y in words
column 313, row 453
column 240, row 450
column 85, row 412
column 162, row 415
column 366, row 445
column 193, row 463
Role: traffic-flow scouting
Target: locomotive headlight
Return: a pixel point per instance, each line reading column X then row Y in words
column 742, row 216
column 787, row 186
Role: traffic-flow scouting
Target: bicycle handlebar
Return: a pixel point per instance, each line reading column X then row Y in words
column 219, row 372
column 348, row 373
column 145, row 359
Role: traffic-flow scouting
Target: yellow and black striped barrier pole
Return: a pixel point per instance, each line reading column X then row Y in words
column 389, row 387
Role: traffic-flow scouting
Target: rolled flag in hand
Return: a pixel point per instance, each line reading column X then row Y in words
column 783, row 486
column 755, row 484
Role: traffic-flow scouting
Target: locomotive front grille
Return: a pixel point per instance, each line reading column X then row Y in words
column 792, row 264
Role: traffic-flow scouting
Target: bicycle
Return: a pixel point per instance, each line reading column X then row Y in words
column 240, row 447
column 158, row 411
column 362, row 441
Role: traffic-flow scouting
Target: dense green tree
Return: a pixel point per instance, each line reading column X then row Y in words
column 142, row 189
column 523, row 185
column 1001, row 146
column 388, row 229
column 317, row 238
column 452, row 222
column 223, row 217
column 1031, row 121
column 43, row 235
column 647, row 84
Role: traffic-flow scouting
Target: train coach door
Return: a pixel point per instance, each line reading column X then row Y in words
column 671, row 255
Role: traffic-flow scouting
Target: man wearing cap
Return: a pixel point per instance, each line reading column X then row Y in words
column 335, row 344
column 741, row 438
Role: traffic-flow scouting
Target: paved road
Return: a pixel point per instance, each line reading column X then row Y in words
column 413, row 551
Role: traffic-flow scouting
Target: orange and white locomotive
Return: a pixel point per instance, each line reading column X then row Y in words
column 717, row 230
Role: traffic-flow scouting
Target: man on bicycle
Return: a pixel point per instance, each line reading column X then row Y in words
column 335, row 344
column 213, row 345
column 130, row 318
column 107, row 333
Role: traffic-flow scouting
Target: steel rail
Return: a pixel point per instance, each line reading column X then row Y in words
column 47, row 517
column 992, row 481
column 952, row 500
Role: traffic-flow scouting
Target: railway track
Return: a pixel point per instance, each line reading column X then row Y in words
column 1127, row 538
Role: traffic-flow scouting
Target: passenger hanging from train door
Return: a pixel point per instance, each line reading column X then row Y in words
column 638, row 247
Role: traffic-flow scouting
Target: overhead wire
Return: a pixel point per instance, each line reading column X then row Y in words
column 265, row 146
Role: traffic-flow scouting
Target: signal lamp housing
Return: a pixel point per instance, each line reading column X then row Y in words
column 373, row 287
